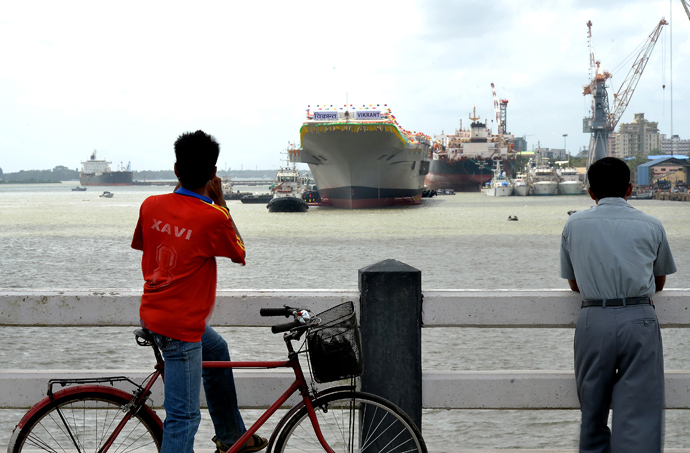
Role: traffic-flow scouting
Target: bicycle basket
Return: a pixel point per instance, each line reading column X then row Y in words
column 335, row 346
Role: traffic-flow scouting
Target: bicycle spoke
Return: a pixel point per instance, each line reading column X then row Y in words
column 84, row 423
column 352, row 422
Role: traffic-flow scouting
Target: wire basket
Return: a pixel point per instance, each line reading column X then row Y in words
column 335, row 345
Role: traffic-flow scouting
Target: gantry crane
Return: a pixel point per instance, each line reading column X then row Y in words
column 603, row 122
column 501, row 115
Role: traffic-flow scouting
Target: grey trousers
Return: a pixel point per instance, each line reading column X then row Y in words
column 619, row 364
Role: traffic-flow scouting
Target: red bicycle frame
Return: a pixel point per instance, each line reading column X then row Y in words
column 299, row 384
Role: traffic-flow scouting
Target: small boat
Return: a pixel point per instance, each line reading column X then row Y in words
column 641, row 195
column 500, row 185
column 256, row 198
column 569, row 182
column 520, row 185
column 543, row 178
column 287, row 191
column 228, row 193
column 310, row 194
column 78, row 189
column 106, row 194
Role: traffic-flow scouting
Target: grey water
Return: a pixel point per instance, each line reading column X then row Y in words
column 53, row 238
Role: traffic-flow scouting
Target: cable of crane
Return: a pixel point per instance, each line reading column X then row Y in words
column 631, row 56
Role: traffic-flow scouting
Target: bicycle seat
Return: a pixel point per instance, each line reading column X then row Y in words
column 144, row 337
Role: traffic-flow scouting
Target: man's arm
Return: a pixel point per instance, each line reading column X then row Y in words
column 659, row 282
column 574, row 287
column 215, row 192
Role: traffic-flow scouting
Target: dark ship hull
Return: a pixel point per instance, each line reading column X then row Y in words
column 287, row 204
column 114, row 178
column 462, row 175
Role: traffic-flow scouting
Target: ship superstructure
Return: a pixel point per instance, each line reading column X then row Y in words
column 362, row 158
column 463, row 161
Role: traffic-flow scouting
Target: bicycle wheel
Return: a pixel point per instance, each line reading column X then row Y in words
column 82, row 419
column 352, row 421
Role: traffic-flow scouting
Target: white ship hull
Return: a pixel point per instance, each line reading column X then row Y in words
column 356, row 165
column 501, row 191
column 521, row 191
column 544, row 188
column 570, row 187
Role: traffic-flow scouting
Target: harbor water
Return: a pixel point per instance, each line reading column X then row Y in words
column 54, row 238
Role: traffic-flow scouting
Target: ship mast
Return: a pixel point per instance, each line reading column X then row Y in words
column 474, row 116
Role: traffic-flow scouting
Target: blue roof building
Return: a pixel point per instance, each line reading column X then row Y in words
column 644, row 169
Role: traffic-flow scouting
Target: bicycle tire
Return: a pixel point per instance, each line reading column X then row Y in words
column 352, row 421
column 89, row 415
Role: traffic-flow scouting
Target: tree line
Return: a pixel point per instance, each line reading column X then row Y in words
column 62, row 173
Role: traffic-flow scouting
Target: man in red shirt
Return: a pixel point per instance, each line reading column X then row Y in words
column 180, row 234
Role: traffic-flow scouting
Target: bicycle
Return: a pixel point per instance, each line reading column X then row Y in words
column 92, row 417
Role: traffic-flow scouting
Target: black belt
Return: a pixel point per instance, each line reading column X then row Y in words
column 617, row 302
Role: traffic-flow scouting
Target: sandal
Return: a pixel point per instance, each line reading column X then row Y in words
column 259, row 444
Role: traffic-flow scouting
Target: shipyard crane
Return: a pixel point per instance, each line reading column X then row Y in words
column 603, row 122
column 500, row 109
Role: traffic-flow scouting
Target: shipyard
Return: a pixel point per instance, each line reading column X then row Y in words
column 431, row 196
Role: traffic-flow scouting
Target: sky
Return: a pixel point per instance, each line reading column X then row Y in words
column 126, row 78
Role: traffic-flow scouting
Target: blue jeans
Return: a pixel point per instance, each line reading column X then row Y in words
column 183, row 376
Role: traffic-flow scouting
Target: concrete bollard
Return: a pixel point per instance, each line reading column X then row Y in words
column 391, row 322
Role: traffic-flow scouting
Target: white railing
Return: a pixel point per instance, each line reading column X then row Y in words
column 441, row 308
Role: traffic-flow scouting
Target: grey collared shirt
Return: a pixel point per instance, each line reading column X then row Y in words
column 613, row 250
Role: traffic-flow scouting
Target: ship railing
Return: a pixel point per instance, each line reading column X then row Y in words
column 501, row 389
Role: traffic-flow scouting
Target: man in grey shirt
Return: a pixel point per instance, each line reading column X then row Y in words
column 617, row 257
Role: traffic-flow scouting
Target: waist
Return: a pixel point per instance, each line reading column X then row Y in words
column 624, row 302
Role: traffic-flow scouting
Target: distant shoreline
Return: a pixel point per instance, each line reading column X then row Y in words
column 30, row 181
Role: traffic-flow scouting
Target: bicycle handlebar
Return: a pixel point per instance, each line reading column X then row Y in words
column 285, row 327
column 302, row 318
column 284, row 311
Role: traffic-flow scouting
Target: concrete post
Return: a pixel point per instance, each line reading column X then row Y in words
column 391, row 322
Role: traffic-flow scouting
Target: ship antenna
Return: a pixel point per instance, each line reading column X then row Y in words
column 474, row 116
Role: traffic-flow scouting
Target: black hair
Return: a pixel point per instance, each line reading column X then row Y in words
column 609, row 177
column 196, row 155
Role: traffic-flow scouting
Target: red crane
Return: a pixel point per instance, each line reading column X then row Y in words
column 500, row 109
column 625, row 92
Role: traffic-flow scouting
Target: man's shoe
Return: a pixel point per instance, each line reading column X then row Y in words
column 259, row 444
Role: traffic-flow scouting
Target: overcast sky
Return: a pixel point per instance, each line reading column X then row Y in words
column 125, row 78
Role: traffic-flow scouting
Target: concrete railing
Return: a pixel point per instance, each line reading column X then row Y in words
column 440, row 308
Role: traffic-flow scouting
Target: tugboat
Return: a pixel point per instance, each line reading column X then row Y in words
column 287, row 191
column 259, row 198
column 228, row 191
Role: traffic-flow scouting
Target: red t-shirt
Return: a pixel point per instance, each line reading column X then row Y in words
column 180, row 236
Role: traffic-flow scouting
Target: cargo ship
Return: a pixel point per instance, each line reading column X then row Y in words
column 362, row 158
column 463, row 161
column 97, row 172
